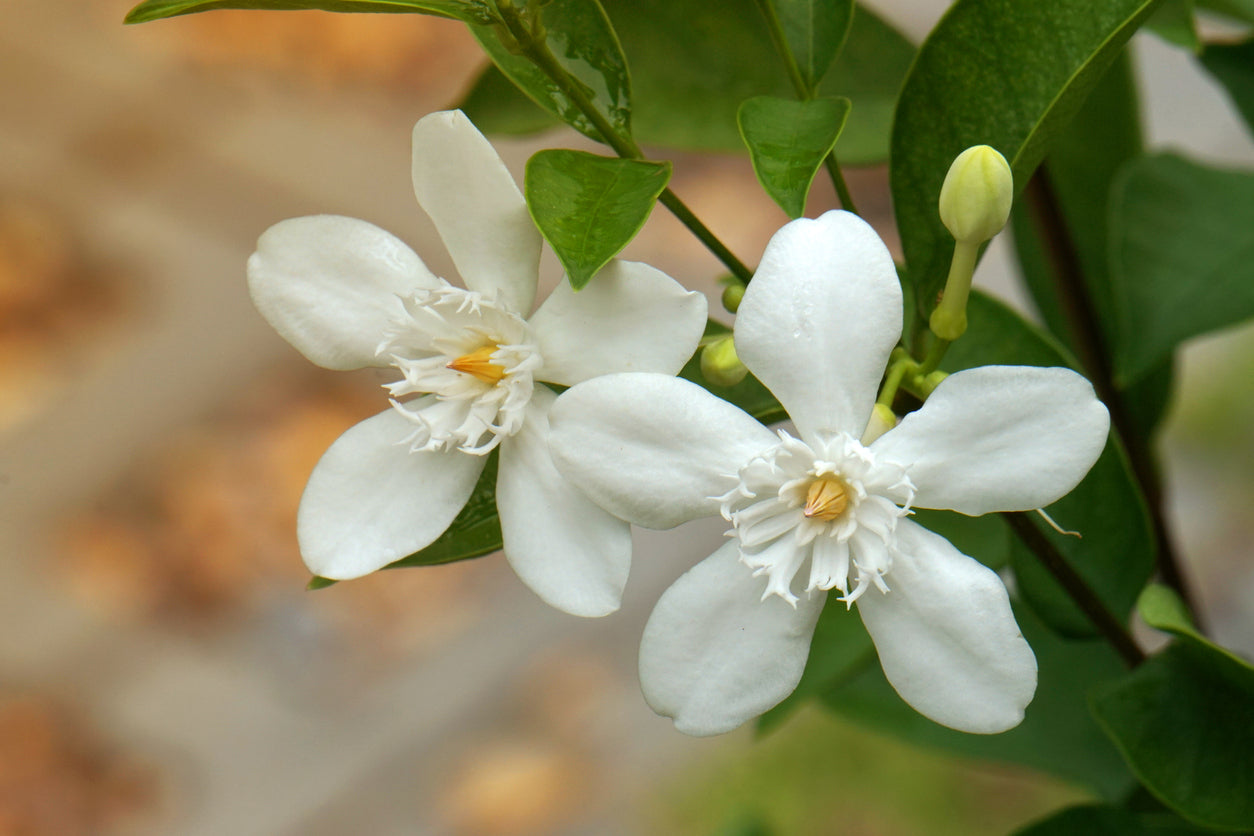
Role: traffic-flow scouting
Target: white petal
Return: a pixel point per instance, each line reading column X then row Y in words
column 819, row 319
column 651, row 449
column 714, row 654
column 630, row 318
column 370, row 501
column 330, row 286
column 480, row 214
column 571, row 553
column 947, row 638
column 999, row 438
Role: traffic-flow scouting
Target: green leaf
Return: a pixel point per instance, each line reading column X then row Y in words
column 1109, row 821
column 1057, row 735
column 476, row 531
column 1184, row 724
column 749, row 394
column 1163, row 609
column 1233, row 66
column 788, row 141
column 815, row 31
column 1182, row 256
column 1115, row 553
column 584, row 42
column 589, row 207
column 693, row 63
column 1009, row 75
column 470, row 11
column 1174, row 23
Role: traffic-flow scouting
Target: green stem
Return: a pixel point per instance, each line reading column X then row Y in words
column 536, row 50
column 935, row 353
column 838, row 180
column 806, row 93
column 1083, row 595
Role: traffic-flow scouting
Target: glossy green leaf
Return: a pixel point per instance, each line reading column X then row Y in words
column 788, row 141
column 815, row 31
column 1184, row 724
column 1009, row 75
column 1115, row 553
column 1163, row 609
column 694, row 62
column 1057, row 735
column 1233, row 66
column 581, row 37
column 1109, row 821
column 841, row 647
column 471, row 11
column 1182, row 256
column 589, row 207
column 1173, row 22
column 749, row 394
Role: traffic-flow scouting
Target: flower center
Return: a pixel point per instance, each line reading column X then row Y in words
column 826, row 499
column 467, row 364
column 834, row 506
column 479, row 363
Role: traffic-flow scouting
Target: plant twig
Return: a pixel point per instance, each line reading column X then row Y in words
column 1090, row 343
column 1076, row 587
column 537, row 51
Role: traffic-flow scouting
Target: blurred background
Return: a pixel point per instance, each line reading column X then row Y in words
column 163, row 670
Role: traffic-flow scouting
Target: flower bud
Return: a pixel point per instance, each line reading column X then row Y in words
column 732, row 294
column 976, row 196
column 720, row 365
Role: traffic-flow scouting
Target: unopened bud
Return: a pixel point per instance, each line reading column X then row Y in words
column 732, row 294
column 976, row 196
column 720, row 365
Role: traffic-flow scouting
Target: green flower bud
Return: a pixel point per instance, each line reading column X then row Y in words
column 720, row 365
column 732, row 294
column 976, row 196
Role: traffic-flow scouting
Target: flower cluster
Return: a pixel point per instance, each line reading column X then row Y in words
column 827, row 508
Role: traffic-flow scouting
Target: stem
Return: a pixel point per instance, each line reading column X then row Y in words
column 1054, row 562
column 806, row 93
column 935, row 354
column 1089, row 340
column 537, row 51
column 838, row 180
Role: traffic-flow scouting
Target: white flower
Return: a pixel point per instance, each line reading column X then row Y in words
column 824, row 511
column 347, row 294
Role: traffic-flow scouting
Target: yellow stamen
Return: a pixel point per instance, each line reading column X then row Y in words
column 826, row 500
column 479, row 363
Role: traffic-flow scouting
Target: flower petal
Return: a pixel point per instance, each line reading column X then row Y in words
column 715, row 654
column 999, row 438
column 947, row 638
column 819, row 320
column 651, row 449
column 370, row 501
column 630, row 318
column 329, row 286
column 481, row 216
column 570, row 552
